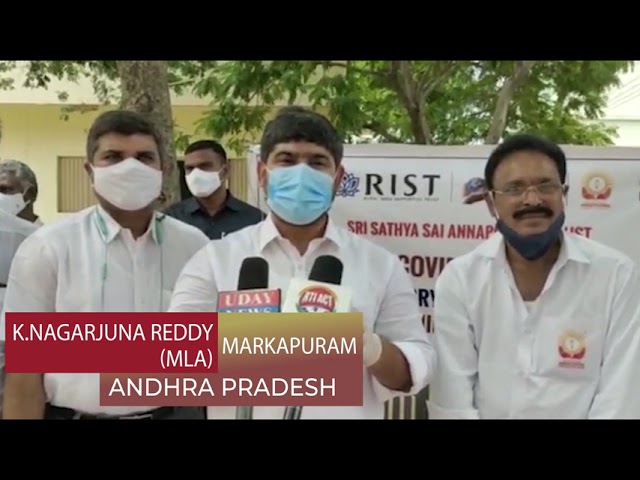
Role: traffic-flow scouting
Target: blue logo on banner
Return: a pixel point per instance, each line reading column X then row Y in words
column 349, row 185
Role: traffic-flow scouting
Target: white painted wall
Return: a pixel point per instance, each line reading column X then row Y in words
column 78, row 93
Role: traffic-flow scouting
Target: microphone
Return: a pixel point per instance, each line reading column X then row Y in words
column 321, row 293
column 252, row 296
column 327, row 269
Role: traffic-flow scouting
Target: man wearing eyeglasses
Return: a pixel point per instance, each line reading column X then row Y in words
column 536, row 322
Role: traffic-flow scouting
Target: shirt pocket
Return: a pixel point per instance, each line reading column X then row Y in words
column 569, row 348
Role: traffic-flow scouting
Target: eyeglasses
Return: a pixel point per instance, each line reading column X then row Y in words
column 542, row 189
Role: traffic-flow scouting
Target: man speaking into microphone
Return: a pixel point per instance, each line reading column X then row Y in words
column 300, row 171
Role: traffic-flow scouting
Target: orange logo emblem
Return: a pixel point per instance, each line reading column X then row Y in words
column 572, row 349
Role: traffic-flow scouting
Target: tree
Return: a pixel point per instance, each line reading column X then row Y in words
column 440, row 102
column 145, row 89
column 141, row 86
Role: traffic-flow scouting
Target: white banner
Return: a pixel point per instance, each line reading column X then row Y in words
column 410, row 200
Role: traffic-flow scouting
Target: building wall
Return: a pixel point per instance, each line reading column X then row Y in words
column 55, row 149
column 628, row 133
column 623, row 109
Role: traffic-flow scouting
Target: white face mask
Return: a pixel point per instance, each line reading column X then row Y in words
column 201, row 183
column 12, row 204
column 128, row 185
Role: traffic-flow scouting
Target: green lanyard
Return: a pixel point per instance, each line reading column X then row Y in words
column 158, row 233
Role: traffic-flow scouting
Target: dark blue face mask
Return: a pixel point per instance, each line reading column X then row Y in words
column 532, row 247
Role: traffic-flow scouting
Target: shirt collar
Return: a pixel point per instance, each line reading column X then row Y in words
column 269, row 233
column 109, row 229
column 231, row 202
column 494, row 248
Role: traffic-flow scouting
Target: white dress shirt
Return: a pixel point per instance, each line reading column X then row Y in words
column 61, row 266
column 500, row 358
column 13, row 231
column 382, row 290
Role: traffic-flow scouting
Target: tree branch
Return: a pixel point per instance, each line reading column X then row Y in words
column 412, row 98
column 509, row 88
column 349, row 65
column 377, row 128
column 430, row 85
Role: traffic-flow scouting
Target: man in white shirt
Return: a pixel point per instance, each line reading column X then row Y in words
column 536, row 323
column 13, row 231
column 301, row 171
column 117, row 256
column 19, row 190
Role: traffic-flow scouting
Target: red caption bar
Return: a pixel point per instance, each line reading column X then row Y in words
column 111, row 342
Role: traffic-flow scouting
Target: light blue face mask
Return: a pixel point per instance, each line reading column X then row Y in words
column 299, row 195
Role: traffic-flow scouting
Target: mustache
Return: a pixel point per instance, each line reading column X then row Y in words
column 533, row 210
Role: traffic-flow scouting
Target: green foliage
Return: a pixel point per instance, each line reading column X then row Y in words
column 438, row 102
column 418, row 102
column 6, row 82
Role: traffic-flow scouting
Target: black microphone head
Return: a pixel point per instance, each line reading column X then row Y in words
column 327, row 269
column 254, row 274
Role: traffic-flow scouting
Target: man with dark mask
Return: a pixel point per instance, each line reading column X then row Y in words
column 536, row 322
column 300, row 171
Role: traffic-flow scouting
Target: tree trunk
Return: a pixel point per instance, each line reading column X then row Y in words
column 509, row 88
column 413, row 100
column 145, row 89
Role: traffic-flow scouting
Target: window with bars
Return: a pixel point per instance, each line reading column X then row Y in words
column 74, row 189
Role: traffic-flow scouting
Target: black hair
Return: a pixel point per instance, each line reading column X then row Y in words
column 294, row 124
column 122, row 122
column 521, row 143
column 207, row 145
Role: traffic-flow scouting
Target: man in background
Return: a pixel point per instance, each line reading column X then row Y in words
column 13, row 231
column 212, row 209
column 18, row 190
column 16, row 179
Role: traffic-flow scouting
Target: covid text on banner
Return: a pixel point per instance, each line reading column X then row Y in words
column 245, row 359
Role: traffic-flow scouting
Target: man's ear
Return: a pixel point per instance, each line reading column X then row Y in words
column 29, row 195
column 261, row 169
column 338, row 179
column 224, row 172
column 89, row 170
column 491, row 205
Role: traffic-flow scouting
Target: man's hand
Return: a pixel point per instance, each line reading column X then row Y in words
column 371, row 348
column 24, row 396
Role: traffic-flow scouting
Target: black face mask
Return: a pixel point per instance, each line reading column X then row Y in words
column 534, row 246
